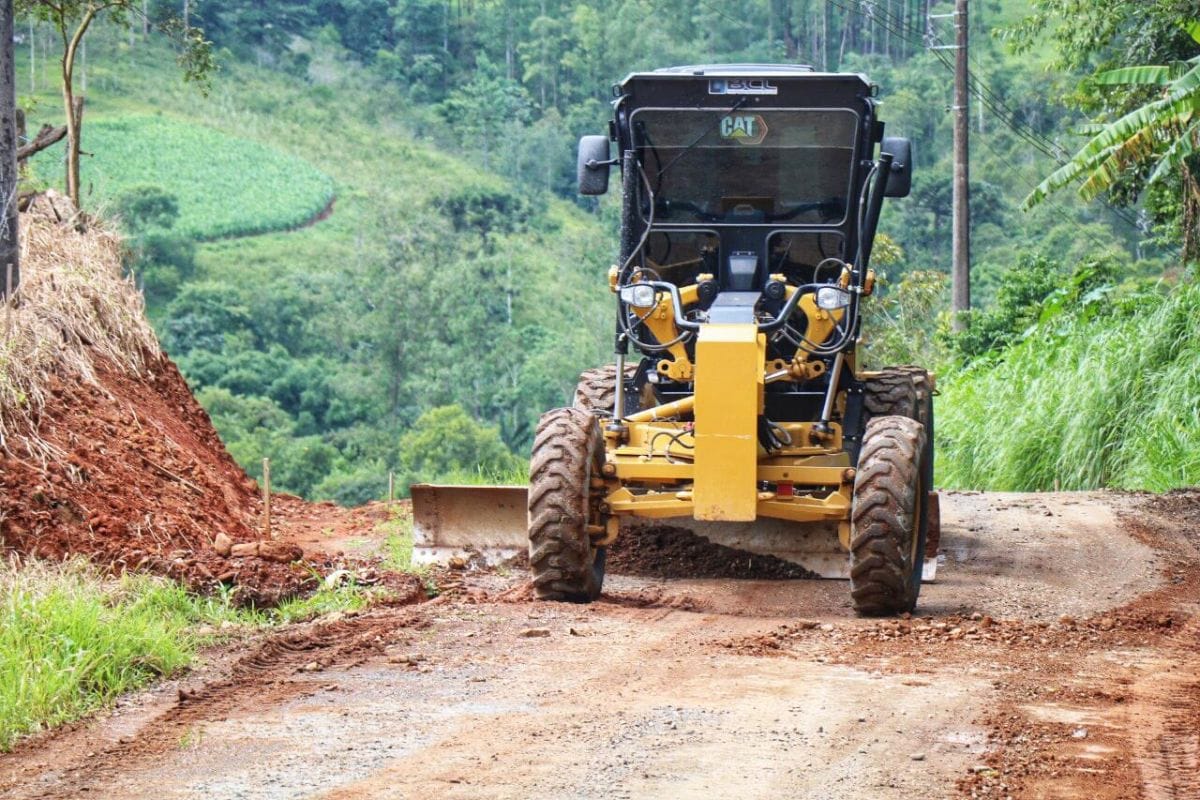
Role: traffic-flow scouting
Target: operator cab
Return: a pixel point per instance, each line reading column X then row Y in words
column 749, row 182
column 745, row 170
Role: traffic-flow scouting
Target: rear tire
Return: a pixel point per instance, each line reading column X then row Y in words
column 893, row 392
column 567, row 450
column 889, row 517
column 596, row 390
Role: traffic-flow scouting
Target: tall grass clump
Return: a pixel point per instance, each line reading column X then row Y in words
column 74, row 307
column 71, row 641
column 1096, row 397
column 72, row 638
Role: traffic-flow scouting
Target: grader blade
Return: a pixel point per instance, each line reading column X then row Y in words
column 462, row 521
column 468, row 521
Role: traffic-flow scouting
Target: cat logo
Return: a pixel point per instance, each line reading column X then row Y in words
column 744, row 128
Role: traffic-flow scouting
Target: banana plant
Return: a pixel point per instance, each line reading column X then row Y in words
column 1163, row 132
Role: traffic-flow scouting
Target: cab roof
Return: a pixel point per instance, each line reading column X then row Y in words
column 745, row 71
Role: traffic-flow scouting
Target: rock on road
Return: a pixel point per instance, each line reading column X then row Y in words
column 1056, row 656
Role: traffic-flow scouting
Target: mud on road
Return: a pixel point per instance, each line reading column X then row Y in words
column 1056, row 656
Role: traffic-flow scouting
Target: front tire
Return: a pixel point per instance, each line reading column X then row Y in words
column 568, row 450
column 889, row 517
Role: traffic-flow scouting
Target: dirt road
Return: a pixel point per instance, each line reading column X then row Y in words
column 1056, row 656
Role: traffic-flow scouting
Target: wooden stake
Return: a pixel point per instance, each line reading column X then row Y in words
column 266, row 498
column 391, row 487
column 8, row 300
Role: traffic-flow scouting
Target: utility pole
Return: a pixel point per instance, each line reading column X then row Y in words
column 961, row 268
column 10, row 272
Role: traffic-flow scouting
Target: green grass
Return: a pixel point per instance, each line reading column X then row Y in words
column 70, row 643
column 398, row 546
column 1107, row 401
column 338, row 592
column 72, row 640
column 225, row 185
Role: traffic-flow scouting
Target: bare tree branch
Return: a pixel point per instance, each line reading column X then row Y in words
column 47, row 136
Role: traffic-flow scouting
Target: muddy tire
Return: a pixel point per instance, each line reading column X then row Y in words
column 567, row 450
column 596, row 390
column 893, row 392
column 889, row 394
column 889, row 517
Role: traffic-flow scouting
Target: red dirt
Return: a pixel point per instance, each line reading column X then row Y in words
column 146, row 485
column 324, row 527
column 1147, row 700
column 1002, row 686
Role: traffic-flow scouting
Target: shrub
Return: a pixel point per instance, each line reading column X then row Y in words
column 1101, row 393
column 446, row 441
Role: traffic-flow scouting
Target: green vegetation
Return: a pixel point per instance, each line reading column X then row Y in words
column 223, row 185
column 69, row 645
column 398, row 528
column 71, row 21
column 432, row 284
column 72, row 640
column 338, row 592
column 1102, row 391
column 1144, row 142
column 458, row 288
column 1083, row 375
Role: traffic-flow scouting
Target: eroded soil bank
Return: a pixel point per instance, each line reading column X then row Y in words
column 1056, row 656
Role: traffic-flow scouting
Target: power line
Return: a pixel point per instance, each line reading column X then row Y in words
column 986, row 95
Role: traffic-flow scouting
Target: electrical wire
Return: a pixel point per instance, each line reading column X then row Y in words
column 674, row 440
column 992, row 100
column 624, row 278
column 645, row 233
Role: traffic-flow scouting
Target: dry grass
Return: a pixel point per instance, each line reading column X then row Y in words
column 73, row 308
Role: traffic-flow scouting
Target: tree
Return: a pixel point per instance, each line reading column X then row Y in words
column 72, row 19
column 446, row 442
column 1094, row 37
column 9, row 249
column 1161, row 136
column 479, row 109
column 160, row 256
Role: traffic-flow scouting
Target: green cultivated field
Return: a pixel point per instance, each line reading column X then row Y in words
column 225, row 185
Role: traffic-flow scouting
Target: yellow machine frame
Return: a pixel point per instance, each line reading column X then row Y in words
column 712, row 468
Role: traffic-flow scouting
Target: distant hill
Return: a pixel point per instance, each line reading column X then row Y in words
column 432, row 282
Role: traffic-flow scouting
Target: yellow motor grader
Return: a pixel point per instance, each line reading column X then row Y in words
column 736, row 404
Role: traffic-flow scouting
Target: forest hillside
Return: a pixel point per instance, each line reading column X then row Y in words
column 364, row 237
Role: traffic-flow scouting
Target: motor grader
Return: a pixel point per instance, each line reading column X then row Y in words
column 737, row 403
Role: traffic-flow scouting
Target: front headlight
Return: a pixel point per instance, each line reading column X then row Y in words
column 831, row 298
column 639, row 295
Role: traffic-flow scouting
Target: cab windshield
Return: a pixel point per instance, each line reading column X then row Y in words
column 747, row 166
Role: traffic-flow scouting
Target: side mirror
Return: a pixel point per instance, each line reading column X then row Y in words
column 900, row 180
column 592, row 165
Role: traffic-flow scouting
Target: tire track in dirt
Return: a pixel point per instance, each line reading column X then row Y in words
column 1171, row 767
